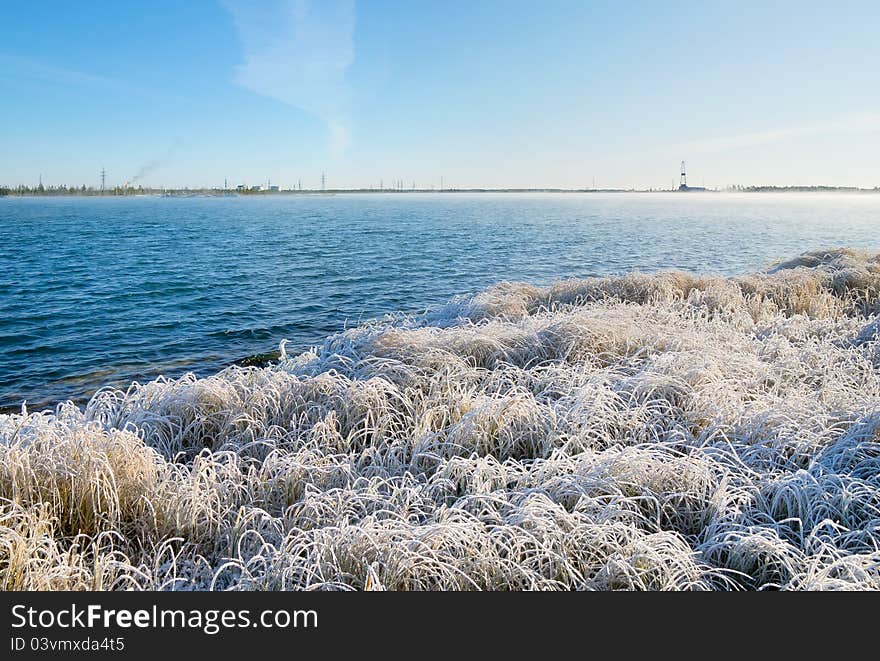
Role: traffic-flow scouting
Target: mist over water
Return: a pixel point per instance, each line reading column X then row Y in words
column 102, row 291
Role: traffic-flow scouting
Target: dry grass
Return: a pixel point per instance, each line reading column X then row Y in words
column 651, row 432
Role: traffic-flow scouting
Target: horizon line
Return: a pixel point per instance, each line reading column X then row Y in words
column 123, row 191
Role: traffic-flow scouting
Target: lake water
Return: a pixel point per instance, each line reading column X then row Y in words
column 104, row 291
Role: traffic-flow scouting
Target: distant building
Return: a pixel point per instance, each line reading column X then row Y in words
column 273, row 189
column 256, row 189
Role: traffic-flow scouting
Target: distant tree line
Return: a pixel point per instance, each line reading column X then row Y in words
column 804, row 189
column 87, row 191
column 71, row 190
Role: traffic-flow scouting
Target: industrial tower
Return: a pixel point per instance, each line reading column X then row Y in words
column 683, row 185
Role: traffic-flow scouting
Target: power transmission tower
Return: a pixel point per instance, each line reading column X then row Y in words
column 323, row 181
column 103, row 179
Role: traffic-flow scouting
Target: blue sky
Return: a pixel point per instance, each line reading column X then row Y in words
column 503, row 93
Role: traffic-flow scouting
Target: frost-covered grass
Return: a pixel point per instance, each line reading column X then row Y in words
column 660, row 432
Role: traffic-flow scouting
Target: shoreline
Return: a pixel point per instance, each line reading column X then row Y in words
column 260, row 360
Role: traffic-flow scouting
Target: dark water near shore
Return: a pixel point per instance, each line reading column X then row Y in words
column 104, row 291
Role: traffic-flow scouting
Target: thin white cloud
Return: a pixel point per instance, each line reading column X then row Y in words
column 16, row 66
column 297, row 52
column 863, row 123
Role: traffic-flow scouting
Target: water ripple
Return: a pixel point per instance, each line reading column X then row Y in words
column 97, row 291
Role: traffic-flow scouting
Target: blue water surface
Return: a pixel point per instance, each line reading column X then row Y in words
column 99, row 291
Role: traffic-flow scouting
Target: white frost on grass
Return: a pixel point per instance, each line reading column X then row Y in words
column 650, row 432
